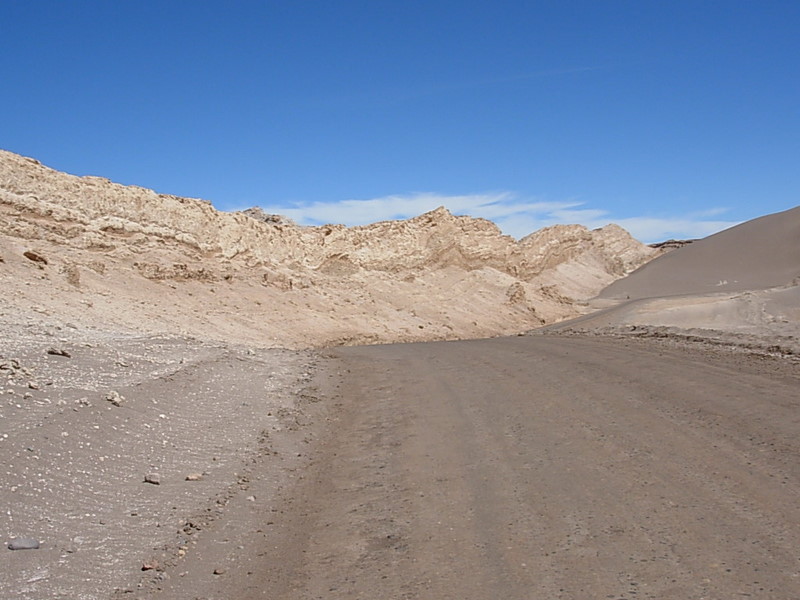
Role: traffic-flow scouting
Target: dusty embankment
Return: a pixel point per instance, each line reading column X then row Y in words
column 535, row 467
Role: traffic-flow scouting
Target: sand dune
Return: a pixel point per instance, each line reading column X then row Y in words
column 759, row 254
column 739, row 286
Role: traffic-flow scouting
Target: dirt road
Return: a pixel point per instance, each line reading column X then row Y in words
column 545, row 467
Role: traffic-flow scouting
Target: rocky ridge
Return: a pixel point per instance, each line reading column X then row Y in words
column 128, row 258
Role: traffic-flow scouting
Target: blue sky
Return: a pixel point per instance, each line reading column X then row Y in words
column 673, row 119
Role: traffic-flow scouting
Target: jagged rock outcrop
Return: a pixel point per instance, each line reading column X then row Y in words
column 434, row 276
column 258, row 214
column 669, row 245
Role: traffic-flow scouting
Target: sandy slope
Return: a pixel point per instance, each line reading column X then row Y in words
column 739, row 286
column 759, row 254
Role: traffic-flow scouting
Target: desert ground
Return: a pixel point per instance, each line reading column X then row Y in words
column 200, row 405
column 497, row 469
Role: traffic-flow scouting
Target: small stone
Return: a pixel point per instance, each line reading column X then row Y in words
column 23, row 543
column 153, row 478
column 251, row 498
column 115, row 398
column 58, row 352
column 35, row 257
column 149, row 565
column 219, row 571
column 194, row 477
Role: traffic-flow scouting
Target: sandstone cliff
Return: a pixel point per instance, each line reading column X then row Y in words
column 129, row 258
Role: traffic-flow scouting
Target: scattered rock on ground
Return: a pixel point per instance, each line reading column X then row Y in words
column 35, row 257
column 115, row 398
column 23, row 543
column 58, row 352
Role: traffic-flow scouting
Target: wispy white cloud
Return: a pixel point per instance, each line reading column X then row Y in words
column 653, row 229
column 515, row 216
column 361, row 212
column 495, row 206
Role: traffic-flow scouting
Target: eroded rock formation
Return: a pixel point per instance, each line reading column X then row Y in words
column 127, row 257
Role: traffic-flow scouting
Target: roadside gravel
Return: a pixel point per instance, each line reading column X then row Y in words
column 118, row 451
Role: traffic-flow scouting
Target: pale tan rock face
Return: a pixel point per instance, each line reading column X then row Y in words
column 127, row 257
